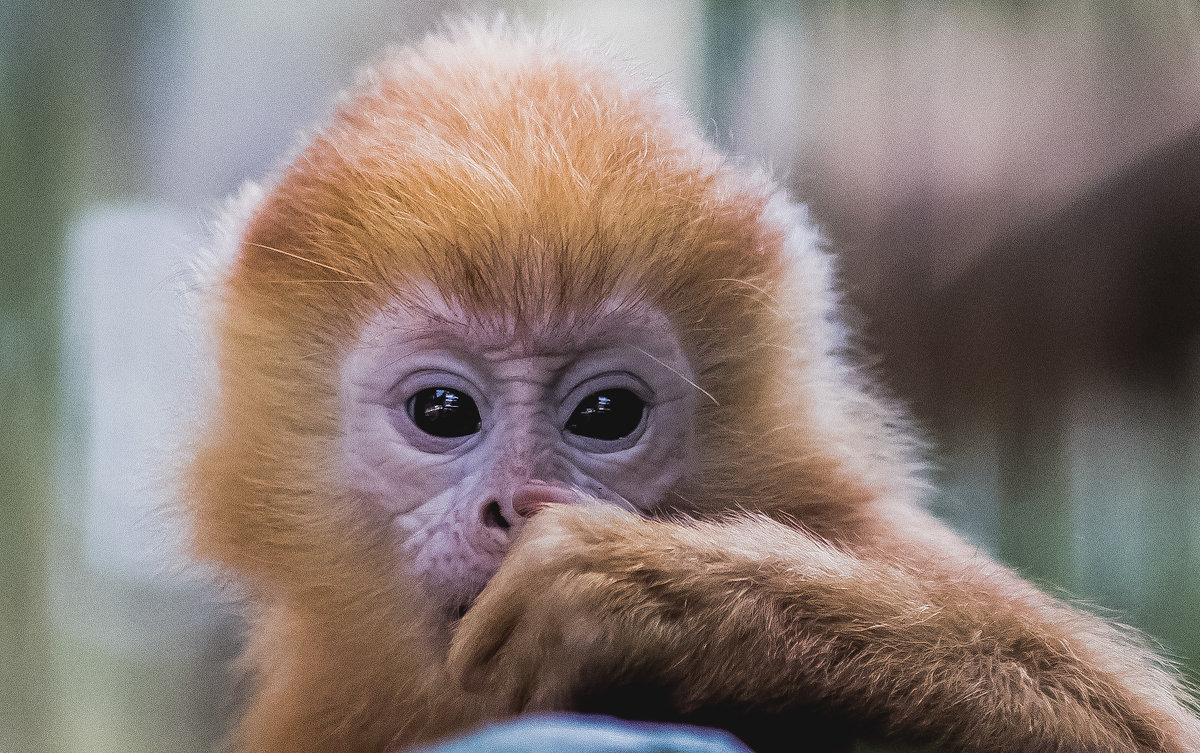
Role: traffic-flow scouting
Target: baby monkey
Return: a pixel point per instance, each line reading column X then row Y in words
column 529, row 399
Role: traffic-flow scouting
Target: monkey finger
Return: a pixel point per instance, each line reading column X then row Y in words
column 474, row 679
column 473, row 649
column 547, row 696
column 471, row 658
column 490, row 626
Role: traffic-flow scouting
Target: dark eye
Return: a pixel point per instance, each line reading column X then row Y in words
column 444, row 412
column 607, row 414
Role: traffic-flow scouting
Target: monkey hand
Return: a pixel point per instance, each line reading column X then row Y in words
column 555, row 621
column 597, row 603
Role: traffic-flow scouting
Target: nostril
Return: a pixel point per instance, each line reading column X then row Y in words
column 493, row 517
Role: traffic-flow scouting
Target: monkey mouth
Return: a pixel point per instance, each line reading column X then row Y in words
column 449, row 601
column 458, row 609
column 451, row 614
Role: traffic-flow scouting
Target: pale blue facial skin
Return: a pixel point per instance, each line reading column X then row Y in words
column 443, row 494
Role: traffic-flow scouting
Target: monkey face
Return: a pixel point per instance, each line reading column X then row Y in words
column 459, row 426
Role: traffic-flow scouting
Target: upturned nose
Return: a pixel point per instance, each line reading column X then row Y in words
column 526, row 501
column 535, row 495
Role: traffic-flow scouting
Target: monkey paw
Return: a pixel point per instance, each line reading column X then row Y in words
column 553, row 621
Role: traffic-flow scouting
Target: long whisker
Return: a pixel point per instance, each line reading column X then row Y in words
column 677, row 373
column 355, row 278
column 334, row 282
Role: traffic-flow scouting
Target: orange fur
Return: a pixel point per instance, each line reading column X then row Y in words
column 531, row 177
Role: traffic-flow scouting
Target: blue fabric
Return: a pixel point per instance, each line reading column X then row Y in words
column 580, row 733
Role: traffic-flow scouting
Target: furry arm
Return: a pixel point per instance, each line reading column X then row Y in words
column 934, row 646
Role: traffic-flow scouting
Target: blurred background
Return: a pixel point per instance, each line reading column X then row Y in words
column 1013, row 188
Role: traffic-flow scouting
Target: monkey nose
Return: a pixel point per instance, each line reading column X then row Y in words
column 493, row 516
column 535, row 495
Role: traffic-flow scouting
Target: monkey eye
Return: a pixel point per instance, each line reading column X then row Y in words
column 443, row 412
column 607, row 414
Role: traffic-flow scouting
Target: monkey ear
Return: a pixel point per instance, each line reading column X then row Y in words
column 212, row 264
column 214, row 260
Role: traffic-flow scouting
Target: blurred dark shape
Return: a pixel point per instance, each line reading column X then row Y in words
column 1013, row 195
column 1110, row 282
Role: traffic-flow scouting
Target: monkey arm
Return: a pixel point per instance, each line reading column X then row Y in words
column 750, row 613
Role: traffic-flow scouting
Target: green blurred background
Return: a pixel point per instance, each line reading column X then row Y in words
column 1013, row 189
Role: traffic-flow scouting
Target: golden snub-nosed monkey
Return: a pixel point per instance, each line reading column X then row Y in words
column 529, row 399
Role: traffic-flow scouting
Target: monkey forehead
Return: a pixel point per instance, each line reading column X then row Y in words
column 423, row 317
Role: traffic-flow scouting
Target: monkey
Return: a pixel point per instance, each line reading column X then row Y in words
column 527, row 398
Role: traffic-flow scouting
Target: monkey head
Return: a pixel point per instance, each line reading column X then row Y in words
column 507, row 274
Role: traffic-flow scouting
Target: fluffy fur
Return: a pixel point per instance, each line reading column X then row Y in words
column 804, row 597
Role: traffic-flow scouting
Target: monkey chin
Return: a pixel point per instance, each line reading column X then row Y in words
column 456, row 610
column 448, row 609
